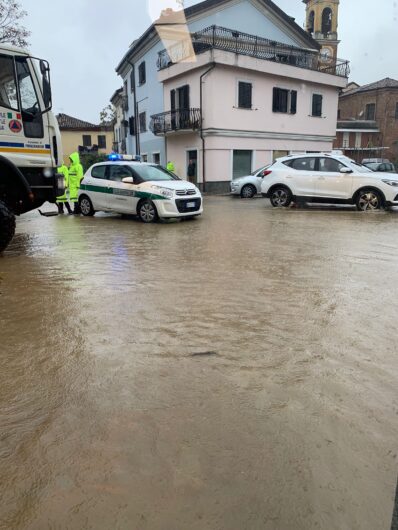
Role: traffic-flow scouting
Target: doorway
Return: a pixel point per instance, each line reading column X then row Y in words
column 192, row 166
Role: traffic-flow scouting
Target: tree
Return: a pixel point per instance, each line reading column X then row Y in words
column 11, row 31
column 108, row 115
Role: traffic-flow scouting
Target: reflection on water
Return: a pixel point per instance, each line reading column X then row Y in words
column 112, row 416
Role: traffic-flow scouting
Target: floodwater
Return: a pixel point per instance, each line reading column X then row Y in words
column 235, row 372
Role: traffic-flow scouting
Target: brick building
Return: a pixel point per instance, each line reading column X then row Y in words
column 367, row 124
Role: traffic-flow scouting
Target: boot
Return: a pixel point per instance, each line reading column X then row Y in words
column 76, row 210
column 60, row 208
column 68, row 208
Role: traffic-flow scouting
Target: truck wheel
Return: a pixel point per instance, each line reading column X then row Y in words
column 7, row 226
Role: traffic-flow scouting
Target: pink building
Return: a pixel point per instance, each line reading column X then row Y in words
column 241, row 101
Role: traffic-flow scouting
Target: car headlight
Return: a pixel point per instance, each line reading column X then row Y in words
column 391, row 183
column 165, row 192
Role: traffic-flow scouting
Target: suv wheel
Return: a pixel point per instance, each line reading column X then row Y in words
column 248, row 192
column 368, row 199
column 7, row 226
column 280, row 197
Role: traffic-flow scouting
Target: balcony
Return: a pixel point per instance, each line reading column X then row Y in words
column 175, row 120
column 219, row 38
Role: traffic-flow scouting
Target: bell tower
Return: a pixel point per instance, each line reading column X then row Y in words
column 322, row 23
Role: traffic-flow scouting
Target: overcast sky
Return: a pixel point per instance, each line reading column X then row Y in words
column 85, row 39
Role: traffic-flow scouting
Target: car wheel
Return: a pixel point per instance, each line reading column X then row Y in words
column 248, row 192
column 280, row 197
column 147, row 212
column 86, row 206
column 368, row 199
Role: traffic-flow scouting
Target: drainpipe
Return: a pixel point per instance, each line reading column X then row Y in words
column 136, row 128
column 201, row 125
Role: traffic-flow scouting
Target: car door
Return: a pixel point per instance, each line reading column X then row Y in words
column 121, row 197
column 96, row 186
column 330, row 182
column 301, row 176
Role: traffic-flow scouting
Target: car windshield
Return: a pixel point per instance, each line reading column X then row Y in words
column 149, row 173
column 259, row 169
column 359, row 167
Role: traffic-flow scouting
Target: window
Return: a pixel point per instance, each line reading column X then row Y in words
column 245, row 95
column 284, row 101
column 346, row 140
column 144, row 158
column 330, row 165
column 317, row 100
column 132, row 125
column 358, row 140
column 396, row 111
column 156, row 158
column 370, row 111
column 31, row 113
column 117, row 172
column 8, row 86
column 326, row 21
column 339, row 114
column 87, row 140
column 142, row 74
column 311, row 22
column 101, row 141
column 132, row 80
column 98, row 172
column 143, row 122
column 301, row 164
column 242, row 163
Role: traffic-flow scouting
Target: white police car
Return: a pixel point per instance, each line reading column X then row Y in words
column 147, row 190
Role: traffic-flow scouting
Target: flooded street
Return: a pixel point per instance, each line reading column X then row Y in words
column 235, row 372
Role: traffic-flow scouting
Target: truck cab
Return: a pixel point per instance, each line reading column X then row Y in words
column 30, row 141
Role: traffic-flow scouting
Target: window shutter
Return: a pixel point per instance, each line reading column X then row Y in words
column 132, row 125
column 293, row 101
column 245, row 95
column 317, row 105
column 275, row 101
column 172, row 99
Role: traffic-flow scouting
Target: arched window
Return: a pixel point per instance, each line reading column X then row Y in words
column 311, row 22
column 326, row 21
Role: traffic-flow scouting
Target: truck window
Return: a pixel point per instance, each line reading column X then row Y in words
column 30, row 106
column 8, row 87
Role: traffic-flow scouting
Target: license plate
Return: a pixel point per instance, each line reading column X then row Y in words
column 191, row 204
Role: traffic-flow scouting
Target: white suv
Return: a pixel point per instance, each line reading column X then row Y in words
column 328, row 178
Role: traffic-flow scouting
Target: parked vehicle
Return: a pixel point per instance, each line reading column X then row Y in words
column 30, row 141
column 325, row 178
column 247, row 187
column 374, row 160
column 146, row 190
column 385, row 167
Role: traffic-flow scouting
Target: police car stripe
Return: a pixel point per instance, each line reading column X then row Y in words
column 124, row 192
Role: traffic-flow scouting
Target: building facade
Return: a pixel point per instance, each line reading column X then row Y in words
column 376, row 104
column 120, row 127
column 83, row 137
column 256, row 53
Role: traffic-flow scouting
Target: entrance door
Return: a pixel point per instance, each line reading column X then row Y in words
column 192, row 166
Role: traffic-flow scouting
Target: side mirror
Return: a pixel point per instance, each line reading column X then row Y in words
column 128, row 180
column 346, row 170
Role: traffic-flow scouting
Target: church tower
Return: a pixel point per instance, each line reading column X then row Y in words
column 322, row 23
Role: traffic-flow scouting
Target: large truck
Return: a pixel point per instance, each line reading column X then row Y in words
column 30, row 141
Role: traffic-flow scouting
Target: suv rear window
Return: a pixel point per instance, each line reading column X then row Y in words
column 98, row 172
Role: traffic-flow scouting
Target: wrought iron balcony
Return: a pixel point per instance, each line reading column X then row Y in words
column 219, row 38
column 175, row 120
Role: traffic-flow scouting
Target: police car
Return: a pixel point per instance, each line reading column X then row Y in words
column 125, row 186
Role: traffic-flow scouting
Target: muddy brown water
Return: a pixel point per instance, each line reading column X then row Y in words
column 236, row 372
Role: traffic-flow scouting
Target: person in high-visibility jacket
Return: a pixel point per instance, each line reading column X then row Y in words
column 62, row 200
column 170, row 166
column 75, row 177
